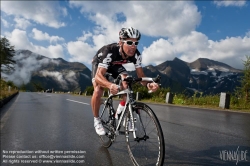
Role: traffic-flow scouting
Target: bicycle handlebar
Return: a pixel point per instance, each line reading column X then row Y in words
column 130, row 80
column 148, row 79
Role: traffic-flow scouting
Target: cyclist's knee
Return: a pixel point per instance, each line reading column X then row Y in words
column 98, row 91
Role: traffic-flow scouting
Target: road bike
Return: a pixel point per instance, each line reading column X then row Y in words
column 143, row 133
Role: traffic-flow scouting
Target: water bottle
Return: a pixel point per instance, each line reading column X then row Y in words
column 119, row 109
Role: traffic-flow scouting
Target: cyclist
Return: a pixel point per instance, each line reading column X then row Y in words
column 110, row 59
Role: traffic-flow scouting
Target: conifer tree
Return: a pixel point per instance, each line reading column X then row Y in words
column 245, row 81
column 7, row 52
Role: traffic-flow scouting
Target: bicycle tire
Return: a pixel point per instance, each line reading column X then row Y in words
column 149, row 148
column 106, row 140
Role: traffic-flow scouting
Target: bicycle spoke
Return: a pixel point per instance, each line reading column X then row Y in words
column 106, row 139
column 149, row 150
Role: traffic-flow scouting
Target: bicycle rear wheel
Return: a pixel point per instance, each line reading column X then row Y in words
column 148, row 148
column 107, row 122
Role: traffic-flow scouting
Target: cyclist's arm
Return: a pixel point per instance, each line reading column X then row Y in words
column 138, row 67
column 105, row 58
column 103, row 82
column 100, row 79
column 140, row 73
column 151, row 86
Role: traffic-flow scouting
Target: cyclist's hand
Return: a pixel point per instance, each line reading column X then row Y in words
column 152, row 86
column 114, row 89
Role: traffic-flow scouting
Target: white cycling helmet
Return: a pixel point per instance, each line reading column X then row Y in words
column 129, row 33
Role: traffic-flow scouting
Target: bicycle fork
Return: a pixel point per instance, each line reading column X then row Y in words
column 132, row 120
column 140, row 122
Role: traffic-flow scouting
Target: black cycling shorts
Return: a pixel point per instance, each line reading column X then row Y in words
column 115, row 70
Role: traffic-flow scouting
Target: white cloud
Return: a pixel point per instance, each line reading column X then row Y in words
column 5, row 23
column 226, row 3
column 23, row 72
column 39, row 35
column 22, row 23
column 157, row 52
column 248, row 34
column 156, row 18
column 41, row 12
column 196, row 45
column 85, row 37
column 64, row 11
column 166, row 19
column 54, row 51
column 56, row 76
column 19, row 39
column 62, row 78
column 81, row 52
column 174, row 22
column 71, row 77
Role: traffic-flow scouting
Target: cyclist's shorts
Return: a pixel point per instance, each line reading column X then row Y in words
column 115, row 70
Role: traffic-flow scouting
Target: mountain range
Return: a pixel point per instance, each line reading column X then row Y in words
column 203, row 75
column 37, row 71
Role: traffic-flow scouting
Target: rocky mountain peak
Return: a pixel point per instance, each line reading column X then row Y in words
column 203, row 64
column 51, row 73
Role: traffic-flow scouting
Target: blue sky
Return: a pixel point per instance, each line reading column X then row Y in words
column 75, row 30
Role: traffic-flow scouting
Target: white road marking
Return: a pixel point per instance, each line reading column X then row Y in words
column 77, row 102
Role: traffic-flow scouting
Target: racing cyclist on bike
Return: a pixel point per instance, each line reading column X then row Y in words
column 110, row 59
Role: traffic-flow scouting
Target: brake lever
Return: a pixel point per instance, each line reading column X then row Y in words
column 156, row 80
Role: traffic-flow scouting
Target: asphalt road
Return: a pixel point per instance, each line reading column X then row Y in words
column 36, row 126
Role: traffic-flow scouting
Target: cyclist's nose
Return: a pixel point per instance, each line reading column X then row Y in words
column 133, row 45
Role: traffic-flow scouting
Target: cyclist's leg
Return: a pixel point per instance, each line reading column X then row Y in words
column 96, row 99
column 97, row 94
column 96, row 102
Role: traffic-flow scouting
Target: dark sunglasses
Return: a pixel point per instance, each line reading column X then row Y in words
column 128, row 42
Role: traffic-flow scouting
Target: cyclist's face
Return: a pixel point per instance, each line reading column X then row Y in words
column 127, row 47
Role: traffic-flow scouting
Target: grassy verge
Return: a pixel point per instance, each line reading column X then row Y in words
column 210, row 101
column 7, row 89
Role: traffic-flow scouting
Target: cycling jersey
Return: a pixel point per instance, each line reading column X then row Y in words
column 109, row 57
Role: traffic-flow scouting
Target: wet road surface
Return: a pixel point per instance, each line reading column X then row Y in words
column 36, row 126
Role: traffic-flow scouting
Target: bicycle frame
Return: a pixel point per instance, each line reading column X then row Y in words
column 129, row 101
column 128, row 104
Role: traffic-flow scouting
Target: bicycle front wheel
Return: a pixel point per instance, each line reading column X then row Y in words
column 107, row 122
column 148, row 148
